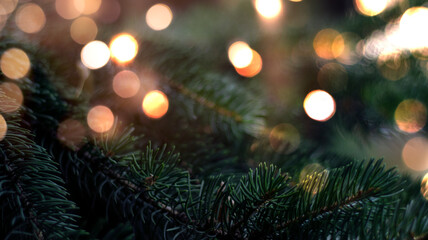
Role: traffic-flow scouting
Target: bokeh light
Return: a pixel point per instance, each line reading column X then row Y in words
column 370, row 7
column 83, row 30
column 14, row 63
column 329, row 44
column 100, row 119
column 315, row 175
column 253, row 68
column 155, row 104
column 123, row 48
column 333, row 77
column 71, row 133
column 30, row 18
column 11, row 97
column 240, row 54
column 350, row 54
column 126, row 84
column 410, row 116
column 412, row 27
column 319, row 105
column 268, row 9
column 393, row 66
column 87, row 7
column 95, row 54
column 159, row 17
column 3, row 127
column 415, row 154
column 8, row 5
column 284, row 138
column 66, row 9
column 424, row 186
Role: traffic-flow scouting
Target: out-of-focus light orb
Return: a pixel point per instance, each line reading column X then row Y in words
column 370, row 7
column 424, row 186
column 123, row 48
column 159, row 17
column 155, row 104
column 83, row 30
column 8, row 5
column 295, row 0
column 126, row 84
column 413, row 27
column 415, row 154
column 393, row 66
column 109, row 11
column 87, row 7
column 95, row 54
column 349, row 55
column 30, row 18
column 3, row 127
column 319, row 105
column 67, row 9
column 11, row 97
column 14, row 63
column 253, row 68
column 71, row 133
column 333, row 77
column 328, row 44
column 269, row 8
column 240, row 54
column 100, row 119
column 410, row 116
column 316, row 173
column 284, row 138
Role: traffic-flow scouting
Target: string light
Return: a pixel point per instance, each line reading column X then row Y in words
column 412, row 28
column 126, row 84
column 240, row 54
column 100, row 119
column 370, row 7
column 253, row 68
column 410, row 116
column 71, row 133
column 284, row 138
column 83, row 30
column 123, row 48
column 95, row 54
column 3, row 128
column 155, row 104
column 329, row 44
column 14, row 63
column 319, row 105
column 415, row 154
column 424, row 186
column 159, row 17
column 268, row 9
column 87, row 7
column 66, row 9
column 30, row 18
column 11, row 97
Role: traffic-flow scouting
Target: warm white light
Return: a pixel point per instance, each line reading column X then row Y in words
column 87, row 7
column 269, row 8
column 155, row 104
column 3, row 127
column 30, row 18
column 415, row 154
column 319, row 105
column 253, row 68
column 240, row 54
column 14, row 63
column 66, row 9
column 95, row 55
column 100, row 119
column 123, row 48
column 11, row 97
column 159, row 17
column 370, row 7
column 126, row 84
column 413, row 27
column 83, row 30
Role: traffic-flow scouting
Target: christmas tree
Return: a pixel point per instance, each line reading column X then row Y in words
column 265, row 119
